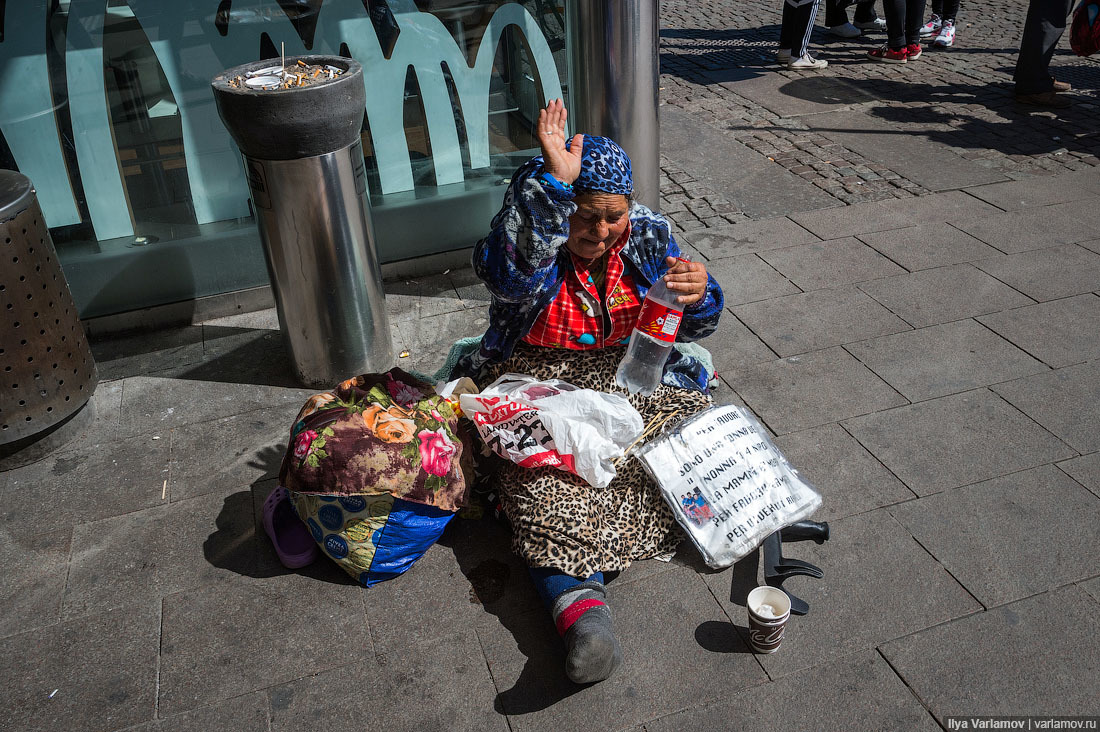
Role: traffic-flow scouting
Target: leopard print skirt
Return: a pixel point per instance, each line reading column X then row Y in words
column 558, row 520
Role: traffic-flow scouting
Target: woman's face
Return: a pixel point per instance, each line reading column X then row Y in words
column 600, row 220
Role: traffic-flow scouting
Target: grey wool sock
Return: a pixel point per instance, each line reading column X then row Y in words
column 584, row 622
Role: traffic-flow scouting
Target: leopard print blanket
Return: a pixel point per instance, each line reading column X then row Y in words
column 558, row 520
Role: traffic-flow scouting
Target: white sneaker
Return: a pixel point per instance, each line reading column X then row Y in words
column 932, row 27
column 783, row 55
column 946, row 38
column 844, row 31
column 807, row 62
column 878, row 24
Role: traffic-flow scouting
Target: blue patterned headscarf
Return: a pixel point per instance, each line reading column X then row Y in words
column 604, row 167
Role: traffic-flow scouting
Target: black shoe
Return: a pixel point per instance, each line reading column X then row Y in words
column 1044, row 99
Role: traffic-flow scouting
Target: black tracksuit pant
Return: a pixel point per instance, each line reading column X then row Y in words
column 903, row 21
column 836, row 12
column 798, row 23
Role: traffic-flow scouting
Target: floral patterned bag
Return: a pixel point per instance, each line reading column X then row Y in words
column 376, row 468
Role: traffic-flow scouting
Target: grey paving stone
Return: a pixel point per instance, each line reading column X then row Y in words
column 928, row 245
column 1084, row 211
column 883, row 141
column 422, row 297
column 874, row 698
column 1021, row 231
column 103, row 669
column 429, row 340
column 33, row 579
column 1010, row 537
column 470, row 578
column 105, row 409
column 144, row 555
column 239, row 356
column 944, row 359
column 1065, row 401
column 1058, row 333
column 151, row 403
column 746, row 278
column 814, row 320
column 806, row 391
column 471, row 290
column 249, row 713
column 830, row 263
column 1085, row 470
column 849, row 479
column 938, row 208
column 1029, row 192
column 686, row 557
column 1047, row 641
column 267, row 319
column 747, row 237
column 117, row 358
column 859, row 218
column 678, row 647
column 1092, row 587
column 245, row 634
column 428, row 686
column 1092, row 246
column 878, row 585
column 1048, row 274
column 944, row 294
column 955, row 440
column 230, row 452
column 733, row 345
column 108, row 479
column 795, row 97
column 757, row 186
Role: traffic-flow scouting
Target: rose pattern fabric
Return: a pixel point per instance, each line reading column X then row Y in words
column 303, row 442
column 435, row 451
column 390, row 425
column 378, row 434
column 401, row 392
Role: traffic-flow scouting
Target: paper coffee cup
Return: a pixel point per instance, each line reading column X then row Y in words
column 769, row 609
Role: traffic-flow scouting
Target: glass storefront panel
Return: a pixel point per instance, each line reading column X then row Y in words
column 106, row 106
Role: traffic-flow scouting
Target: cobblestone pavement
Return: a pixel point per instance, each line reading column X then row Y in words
column 960, row 98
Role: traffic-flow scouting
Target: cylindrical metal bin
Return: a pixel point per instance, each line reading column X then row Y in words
column 307, row 175
column 47, row 372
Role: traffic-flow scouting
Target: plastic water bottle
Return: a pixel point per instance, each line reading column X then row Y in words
column 642, row 367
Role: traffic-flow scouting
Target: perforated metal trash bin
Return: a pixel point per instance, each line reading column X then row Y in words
column 47, row 373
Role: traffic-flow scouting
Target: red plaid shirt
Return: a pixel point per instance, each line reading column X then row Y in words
column 575, row 318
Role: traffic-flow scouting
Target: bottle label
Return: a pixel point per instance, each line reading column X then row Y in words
column 659, row 321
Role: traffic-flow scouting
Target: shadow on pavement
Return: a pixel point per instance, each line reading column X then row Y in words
column 501, row 585
column 240, row 545
column 1002, row 124
column 242, row 356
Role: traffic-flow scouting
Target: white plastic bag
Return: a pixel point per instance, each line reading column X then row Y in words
column 552, row 423
column 727, row 483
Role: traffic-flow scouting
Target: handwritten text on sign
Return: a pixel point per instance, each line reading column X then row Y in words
column 728, row 485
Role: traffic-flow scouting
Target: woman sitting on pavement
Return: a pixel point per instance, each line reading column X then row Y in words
column 568, row 262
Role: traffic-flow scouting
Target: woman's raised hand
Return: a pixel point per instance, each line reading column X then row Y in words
column 565, row 165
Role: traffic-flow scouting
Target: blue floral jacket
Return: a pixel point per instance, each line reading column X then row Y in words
column 523, row 262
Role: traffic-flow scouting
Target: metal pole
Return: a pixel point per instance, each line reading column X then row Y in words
column 613, row 81
column 315, row 224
